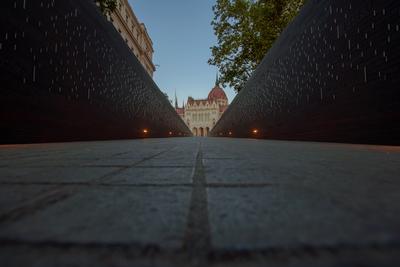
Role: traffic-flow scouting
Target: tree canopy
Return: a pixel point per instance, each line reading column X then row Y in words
column 107, row 6
column 246, row 30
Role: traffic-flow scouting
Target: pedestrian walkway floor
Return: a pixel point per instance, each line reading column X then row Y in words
column 199, row 202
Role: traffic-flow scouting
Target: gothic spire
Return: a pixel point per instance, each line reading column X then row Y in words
column 176, row 100
column 217, row 80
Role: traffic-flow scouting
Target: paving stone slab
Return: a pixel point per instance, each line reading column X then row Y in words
column 89, row 257
column 53, row 174
column 261, row 161
column 155, row 216
column 153, row 175
column 279, row 216
column 175, row 158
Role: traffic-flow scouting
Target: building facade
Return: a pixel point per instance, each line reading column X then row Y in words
column 134, row 34
column 200, row 115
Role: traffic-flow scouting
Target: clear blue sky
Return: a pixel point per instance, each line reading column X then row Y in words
column 182, row 37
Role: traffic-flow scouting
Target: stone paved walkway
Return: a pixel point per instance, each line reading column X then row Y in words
column 199, row 202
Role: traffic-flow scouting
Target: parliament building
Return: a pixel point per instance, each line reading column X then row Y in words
column 200, row 115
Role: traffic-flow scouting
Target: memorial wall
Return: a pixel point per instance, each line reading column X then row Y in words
column 332, row 75
column 66, row 74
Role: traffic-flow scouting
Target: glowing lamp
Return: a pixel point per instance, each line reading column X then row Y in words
column 145, row 131
column 255, row 131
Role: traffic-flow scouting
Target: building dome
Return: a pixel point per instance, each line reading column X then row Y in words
column 217, row 93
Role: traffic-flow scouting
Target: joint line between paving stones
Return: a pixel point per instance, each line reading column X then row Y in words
column 220, row 253
column 105, row 184
column 197, row 238
column 41, row 201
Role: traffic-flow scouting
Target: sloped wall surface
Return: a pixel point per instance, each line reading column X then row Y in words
column 333, row 75
column 66, row 74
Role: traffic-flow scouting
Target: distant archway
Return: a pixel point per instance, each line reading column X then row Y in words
column 201, row 131
column 207, row 131
column 195, row 131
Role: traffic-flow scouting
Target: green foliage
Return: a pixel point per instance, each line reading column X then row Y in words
column 107, row 6
column 246, row 30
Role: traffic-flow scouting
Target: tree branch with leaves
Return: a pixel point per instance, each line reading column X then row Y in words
column 246, row 30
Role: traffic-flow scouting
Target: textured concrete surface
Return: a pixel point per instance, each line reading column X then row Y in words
column 67, row 75
column 330, row 76
column 199, row 202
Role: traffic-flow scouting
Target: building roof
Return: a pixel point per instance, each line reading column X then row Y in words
column 217, row 93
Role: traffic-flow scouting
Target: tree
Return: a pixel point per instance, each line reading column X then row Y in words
column 246, row 30
column 107, row 6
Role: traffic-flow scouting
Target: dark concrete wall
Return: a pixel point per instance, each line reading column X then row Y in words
column 333, row 75
column 66, row 74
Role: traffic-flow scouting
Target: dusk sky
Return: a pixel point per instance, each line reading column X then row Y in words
column 182, row 37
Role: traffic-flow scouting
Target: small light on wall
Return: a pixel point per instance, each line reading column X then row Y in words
column 145, row 131
column 170, row 133
column 255, row 131
column 230, row 133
